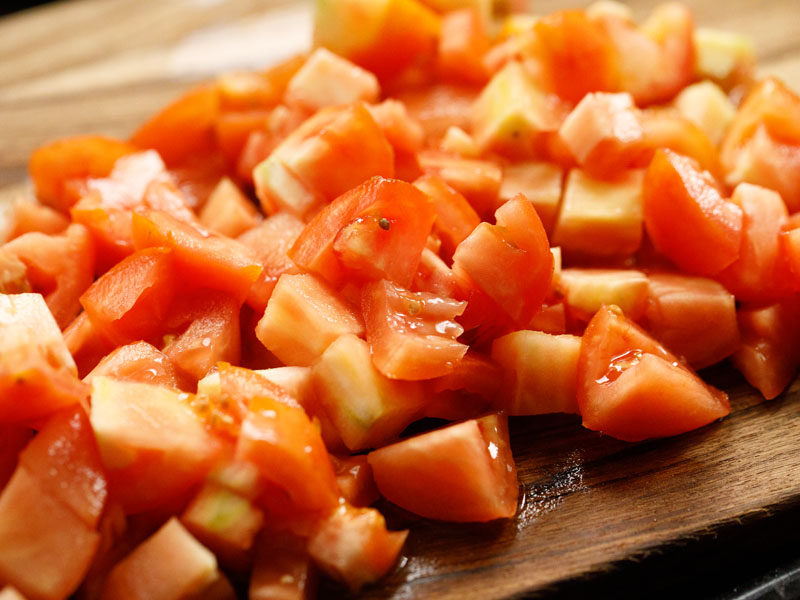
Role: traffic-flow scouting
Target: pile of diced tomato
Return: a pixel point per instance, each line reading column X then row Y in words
column 215, row 335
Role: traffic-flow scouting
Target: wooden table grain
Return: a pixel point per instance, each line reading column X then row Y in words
column 102, row 66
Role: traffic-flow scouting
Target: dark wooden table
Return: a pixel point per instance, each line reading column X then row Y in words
column 704, row 514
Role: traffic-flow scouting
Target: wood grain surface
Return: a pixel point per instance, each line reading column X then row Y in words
column 588, row 501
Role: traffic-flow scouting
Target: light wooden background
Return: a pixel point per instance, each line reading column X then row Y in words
column 102, row 66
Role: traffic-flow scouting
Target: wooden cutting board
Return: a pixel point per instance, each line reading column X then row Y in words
column 102, row 66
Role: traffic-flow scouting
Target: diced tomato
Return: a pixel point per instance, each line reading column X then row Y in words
column 333, row 151
column 55, row 165
column 169, row 564
column 604, row 133
column 64, row 458
column 541, row 371
column 462, row 45
column 228, row 211
column 666, row 128
column 632, row 388
column 687, row 218
column 412, row 335
column 692, row 316
column 225, row 523
column 202, row 257
column 768, row 357
column 315, row 250
column 517, row 244
column 60, row 267
column 468, row 392
column 32, row 216
column 138, row 361
column 37, row 373
column 130, row 301
column 207, row 331
column 354, row 546
column 464, row 472
column 401, row 130
column 478, row 180
column 385, row 240
column 576, row 54
column 86, row 345
column 455, row 217
column 305, row 303
column 270, row 241
column 760, row 273
column 585, row 291
column 367, row 408
column 182, row 129
column 154, row 447
column 233, row 130
column 655, row 60
column 283, row 442
column 384, row 37
column 35, row 526
column 439, row 106
column 245, row 90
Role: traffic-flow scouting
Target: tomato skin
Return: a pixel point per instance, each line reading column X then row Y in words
column 412, row 335
column 463, row 472
column 455, row 217
column 517, row 244
column 687, row 218
column 13, row 438
column 130, row 301
column 462, row 45
column 632, row 388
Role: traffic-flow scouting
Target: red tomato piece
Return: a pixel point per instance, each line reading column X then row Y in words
column 209, row 332
column 202, row 257
column 169, row 564
column 129, row 302
column 464, row 472
column 455, row 217
column 385, row 239
column 32, row 216
column 354, row 477
column 64, row 458
column 478, row 180
column 58, row 163
column 687, row 218
column 138, row 361
column 412, row 335
column 37, row 373
column 354, row 546
column 86, row 345
column 288, row 450
column 666, row 128
column 182, row 129
column 761, row 273
column 462, row 45
column 60, row 267
column 35, row 526
column 768, row 357
column 314, row 248
column 692, row 316
column 270, row 241
column 517, row 244
column 632, row 388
